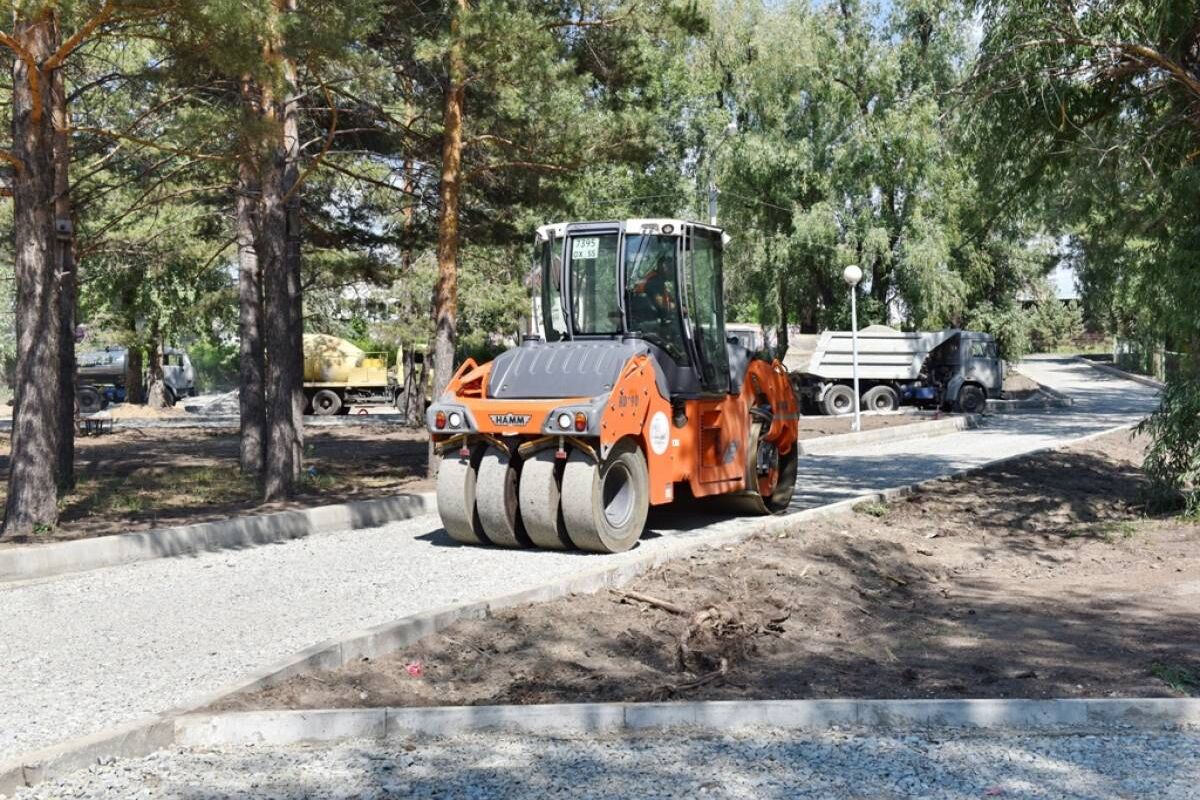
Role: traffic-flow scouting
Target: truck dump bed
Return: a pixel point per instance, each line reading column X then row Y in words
column 884, row 354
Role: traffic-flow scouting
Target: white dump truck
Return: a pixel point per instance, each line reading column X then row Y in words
column 951, row 369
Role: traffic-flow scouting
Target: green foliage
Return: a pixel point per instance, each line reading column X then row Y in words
column 874, row 508
column 1173, row 460
column 1179, row 678
column 216, row 365
column 1053, row 324
column 1009, row 324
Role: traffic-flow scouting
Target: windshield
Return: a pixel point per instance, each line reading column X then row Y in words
column 549, row 259
column 594, row 300
column 651, row 299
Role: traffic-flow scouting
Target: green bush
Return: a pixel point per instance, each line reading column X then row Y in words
column 1008, row 324
column 1173, row 460
column 1052, row 324
column 216, row 366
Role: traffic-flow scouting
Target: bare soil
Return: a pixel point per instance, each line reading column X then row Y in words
column 814, row 426
column 1037, row 578
column 154, row 477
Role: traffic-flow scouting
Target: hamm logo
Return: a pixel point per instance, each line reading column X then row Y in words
column 510, row 420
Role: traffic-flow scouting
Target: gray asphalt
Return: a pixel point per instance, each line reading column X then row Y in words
column 90, row 651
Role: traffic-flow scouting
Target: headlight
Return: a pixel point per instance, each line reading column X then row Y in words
column 564, row 421
column 455, row 419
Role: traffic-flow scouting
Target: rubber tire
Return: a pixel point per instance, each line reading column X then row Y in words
column 971, row 400
column 496, row 499
column 829, row 404
column 456, row 481
column 541, row 509
column 583, row 494
column 326, row 403
column 780, row 500
column 90, row 401
column 881, row 398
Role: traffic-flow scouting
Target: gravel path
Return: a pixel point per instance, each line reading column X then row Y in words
column 91, row 651
column 764, row 764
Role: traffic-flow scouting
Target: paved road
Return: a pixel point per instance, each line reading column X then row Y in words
column 763, row 765
column 86, row 652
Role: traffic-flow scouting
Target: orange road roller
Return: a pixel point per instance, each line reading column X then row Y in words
column 630, row 395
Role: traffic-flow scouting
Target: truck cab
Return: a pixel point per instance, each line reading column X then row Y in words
column 969, row 370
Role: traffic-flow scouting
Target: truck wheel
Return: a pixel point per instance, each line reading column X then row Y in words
column 838, row 400
column 326, row 403
column 496, row 499
column 541, row 477
column 605, row 505
column 456, row 497
column 881, row 398
column 89, row 400
column 971, row 400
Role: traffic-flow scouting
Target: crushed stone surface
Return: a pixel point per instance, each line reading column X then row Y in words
column 764, row 764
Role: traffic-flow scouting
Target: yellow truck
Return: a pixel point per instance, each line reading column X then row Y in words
column 339, row 375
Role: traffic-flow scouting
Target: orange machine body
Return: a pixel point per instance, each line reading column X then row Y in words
column 703, row 441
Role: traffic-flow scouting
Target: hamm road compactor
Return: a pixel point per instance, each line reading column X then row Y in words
column 632, row 390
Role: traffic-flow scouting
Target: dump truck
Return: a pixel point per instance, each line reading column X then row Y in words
column 632, row 397
column 100, row 377
column 339, row 374
column 950, row 369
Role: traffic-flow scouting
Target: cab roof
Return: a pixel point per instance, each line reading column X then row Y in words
column 639, row 224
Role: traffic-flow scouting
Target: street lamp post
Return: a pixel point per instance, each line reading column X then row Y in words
column 852, row 275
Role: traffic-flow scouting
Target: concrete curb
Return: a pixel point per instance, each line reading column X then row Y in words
column 830, row 445
column 145, row 736
column 276, row 728
column 46, row 560
column 1051, row 399
column 1120, row 373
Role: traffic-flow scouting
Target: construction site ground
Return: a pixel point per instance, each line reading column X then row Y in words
column 1040, row 577
column 135, row 479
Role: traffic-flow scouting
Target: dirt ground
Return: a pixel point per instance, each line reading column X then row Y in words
column 1036, row 578
column 155, row 477
column 812, row 427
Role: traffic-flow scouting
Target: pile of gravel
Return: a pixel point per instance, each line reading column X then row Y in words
column 219, row 405
column 762, row 764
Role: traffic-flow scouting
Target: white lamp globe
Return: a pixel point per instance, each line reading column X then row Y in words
column 852, row 275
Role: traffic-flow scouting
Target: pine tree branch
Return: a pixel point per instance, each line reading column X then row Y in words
column 118, row 136
column 77, row 38
column 32, row 71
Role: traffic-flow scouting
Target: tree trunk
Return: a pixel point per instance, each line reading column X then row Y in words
column 295, row 286
column 251, row 367
column 445, row 301
column 32, row 502
column 135, row 390
column 65, row 260
column 279, row 258
column 279, row 467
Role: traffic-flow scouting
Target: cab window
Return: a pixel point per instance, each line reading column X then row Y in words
column 983, row 349
column 549, row 259
column 708, row 309
column 651, row 292
column 595, row 307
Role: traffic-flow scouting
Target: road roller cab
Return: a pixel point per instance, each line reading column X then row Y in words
column 629, row 390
